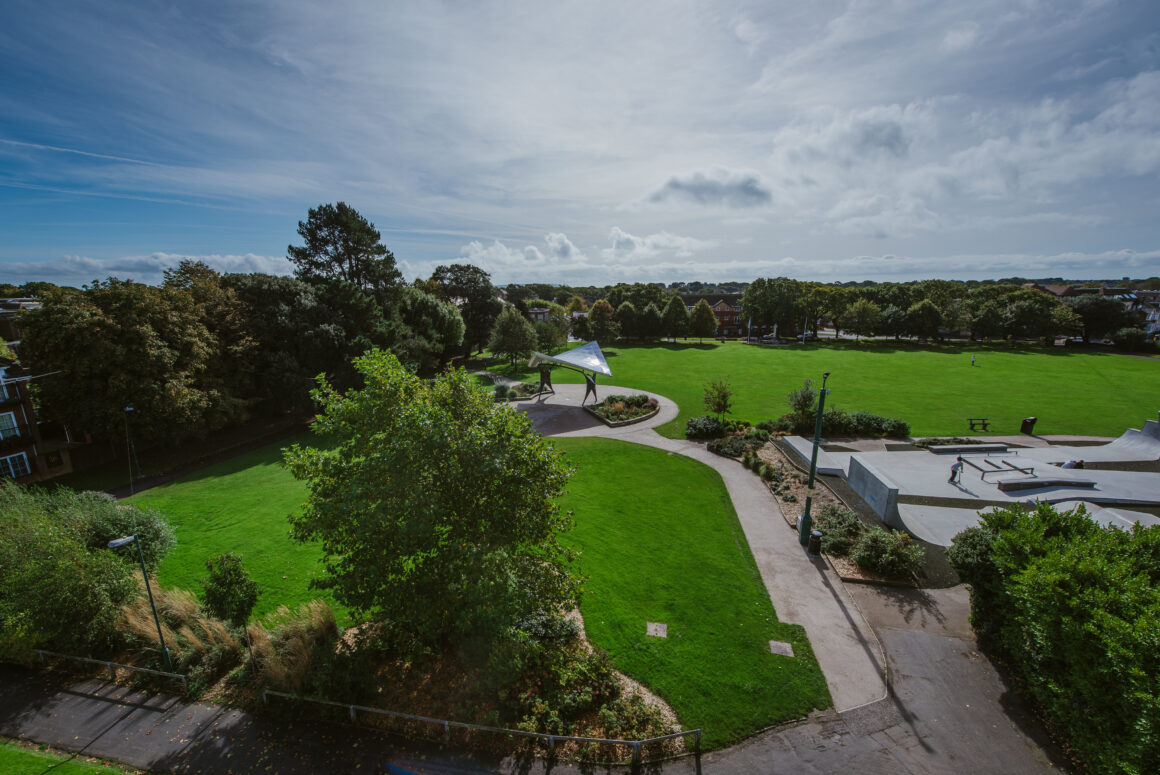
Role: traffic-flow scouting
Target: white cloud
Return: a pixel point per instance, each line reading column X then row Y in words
column 77, row 270
column 959, row 38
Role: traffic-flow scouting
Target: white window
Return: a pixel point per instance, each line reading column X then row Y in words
column 14, row 466
column 8, row 427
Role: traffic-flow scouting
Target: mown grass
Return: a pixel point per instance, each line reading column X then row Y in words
column 22, row 759
column 240, row 506
column 660, row 542
column 934, row 388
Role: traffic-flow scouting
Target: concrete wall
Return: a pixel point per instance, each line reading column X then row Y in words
column 880, row 493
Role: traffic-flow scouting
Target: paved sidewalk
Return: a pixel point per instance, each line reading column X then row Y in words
column 803, row 588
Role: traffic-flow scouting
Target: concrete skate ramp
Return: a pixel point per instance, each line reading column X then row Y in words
column 1143, row 444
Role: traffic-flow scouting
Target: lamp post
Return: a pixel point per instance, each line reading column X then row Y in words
column 805, row 522
column 118, row 542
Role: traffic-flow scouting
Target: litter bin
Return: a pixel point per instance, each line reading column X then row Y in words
column 815, row 545
column 1028, row 425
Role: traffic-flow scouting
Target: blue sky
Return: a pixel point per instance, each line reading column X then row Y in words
column 586, row 142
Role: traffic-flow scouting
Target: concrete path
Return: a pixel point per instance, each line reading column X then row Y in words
column 947, row 710
column 802, row 588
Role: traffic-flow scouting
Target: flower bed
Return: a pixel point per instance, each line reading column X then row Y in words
column 622, row 410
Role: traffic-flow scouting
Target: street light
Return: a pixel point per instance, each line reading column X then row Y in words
column 119, row 542
column 805, row 522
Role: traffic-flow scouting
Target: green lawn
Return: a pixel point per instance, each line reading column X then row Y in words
column 240, row 506
column 21, row 760
column 933, row 388
column 660, row 542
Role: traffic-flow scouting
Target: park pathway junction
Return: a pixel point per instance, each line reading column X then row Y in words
column 911, row 692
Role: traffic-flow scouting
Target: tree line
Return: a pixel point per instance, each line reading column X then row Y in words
column 205, row 350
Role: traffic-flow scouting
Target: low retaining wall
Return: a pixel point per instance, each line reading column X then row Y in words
column 877, row 490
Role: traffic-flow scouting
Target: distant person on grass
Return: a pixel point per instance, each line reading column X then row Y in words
column 972, row 360
column 956, row 470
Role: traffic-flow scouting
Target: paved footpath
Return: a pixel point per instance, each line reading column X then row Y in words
column 946, row 710
column 803, row 589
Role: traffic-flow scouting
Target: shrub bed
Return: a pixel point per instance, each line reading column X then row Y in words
column 624, row 408
column 888, row 553
column 836, row 422
column 840, row 528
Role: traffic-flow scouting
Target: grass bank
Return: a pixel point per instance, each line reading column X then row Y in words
column 660, row 542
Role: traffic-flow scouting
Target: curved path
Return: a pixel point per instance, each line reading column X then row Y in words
column 803, row 588
column 946, row 711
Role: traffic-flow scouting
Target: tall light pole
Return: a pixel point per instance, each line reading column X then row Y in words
column 118, row 542
column 805, row 522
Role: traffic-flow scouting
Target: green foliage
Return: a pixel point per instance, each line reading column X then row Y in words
column 470, row 289
column 1099, row 315
column 435, row 508
column 1074, row 608
column 341, row 245
column 431, row 331
column 718, row 397
column 1130, row 338
column 619, row 408
column 840, row 529
column 702, row 322
column 675, row 318
column 54, row 590
column 803, row 401
column 774, row 301
column 888, row 553
column 513, row 336
column 704, row 427
column 862, row 318
column 120, row 344
column 230, row 593
column 730, row 446
column 626, row 318
column 601, row 323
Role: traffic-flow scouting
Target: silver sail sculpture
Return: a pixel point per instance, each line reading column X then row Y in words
column 586, row 357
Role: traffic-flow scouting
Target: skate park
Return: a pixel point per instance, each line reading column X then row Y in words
column 1118, row 482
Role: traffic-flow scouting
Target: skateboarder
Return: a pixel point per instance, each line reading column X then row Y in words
column 956, row 470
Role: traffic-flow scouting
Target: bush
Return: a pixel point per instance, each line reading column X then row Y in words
column 840, row 528
column 730, row 446
column 501, row 392
column 704, row 427
column 758, row 436
column 891, row 554
column 1074, row 609
column 230, row 593
column 1130, row 338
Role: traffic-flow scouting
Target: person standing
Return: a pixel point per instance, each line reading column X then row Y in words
column 972, row 360
column 956, row 470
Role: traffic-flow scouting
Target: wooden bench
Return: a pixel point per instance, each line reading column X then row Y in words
column 979, row 423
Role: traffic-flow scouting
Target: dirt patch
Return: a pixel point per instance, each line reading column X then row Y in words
column 794, row 485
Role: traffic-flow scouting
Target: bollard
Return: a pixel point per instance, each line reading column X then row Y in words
column 636, row 753
column 698, row 743
column 352, row 718
column 112, row 673
column 551, row 744
column 446, row 732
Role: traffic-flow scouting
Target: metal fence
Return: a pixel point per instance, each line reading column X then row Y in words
column 110, row 666
column 550, row 740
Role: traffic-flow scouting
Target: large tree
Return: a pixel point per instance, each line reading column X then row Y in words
column 340, row 244
column 431, row 331
column 122, row 344
column 702, row 322
column 862, row 318
column 469, row 288
column 774, row 301
column 601, row 323
column 1101, row 315
column 676, row 318
column 434, row 507
column 513, row 336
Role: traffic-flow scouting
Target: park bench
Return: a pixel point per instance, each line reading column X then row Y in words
column 979, row 423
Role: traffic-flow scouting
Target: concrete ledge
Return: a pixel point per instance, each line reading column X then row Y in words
column 948, row 449
column 1008, row 485
column 803, row 449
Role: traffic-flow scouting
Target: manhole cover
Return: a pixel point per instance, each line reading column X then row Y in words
column 657, row 630
column 780, row 647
